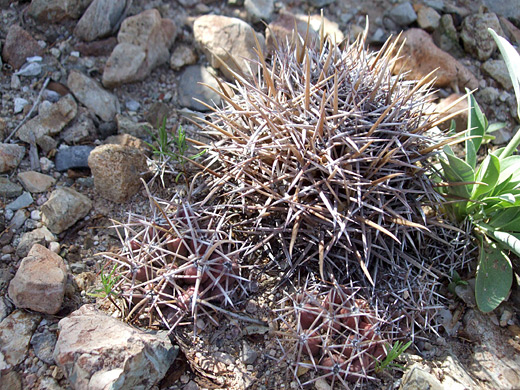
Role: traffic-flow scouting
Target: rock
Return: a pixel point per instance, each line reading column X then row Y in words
column 428, row 19
column 15, row 334
column 101, row 19
column 475, row 36
column 415, row 378
column 35, row 182
column 10, row 156
column 81, row 129
column 39, row 283
column 64, row 208
column 132, row 105
column 73, row 157
column 51, row 119
column 446, row 37
column 24, row 200
column 421, row 56
column 497, row 69
column 494, row 359
column 182, row 55
column 43, row 344
column 144, row 43
column 106, row 129
column 10, row 380
column 126, row 126
column 30, row 69
column 130, row 141
column 53, row 11
column 157, row 114
column 37, row 236
column 402, row 14
column 101, row 102
column 96, row 351
column 228, row 41
column 8, row 189
column 99, row 48
column 19, row 104
column 190, row 88
column 512, row 32
column 249, row 355
column 19, row 45
column 461, row 120
column 117, row 171
column 506, row 8
column 259, row 10
column 5, row 308
column 19, row 218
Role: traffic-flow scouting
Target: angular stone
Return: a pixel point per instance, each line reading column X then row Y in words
column 15, row 334
column 507, row 8
column 497, row 69
column 415, row 378
column 19, row 45
column 428, row 19
column 101, row 19
column 182, row 55
column 73, row 157
column 403, row 14
column 475, row 36
column 446, row 37
column 259, row 10
column 37, row 236
column 129, row 141
column 96, row 351
column 99, row 48
column 144, row 43
column 80, row 130
column 39, row 283
column 35, row 182
column 55, row 11
column 190, row 88
column 51, row 119
column 126, row 126
column 228, row 41
column 64, row 208
column 10, row 156
column 117, row 171
column 8, row 189
column 101, row 102
column 24, row 200
column 421, row 56
column 43, row 344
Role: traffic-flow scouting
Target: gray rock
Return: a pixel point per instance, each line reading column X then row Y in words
column 10, row 156
column 36, row 182
column 73, row 157
column 497, row 69
column 467, row 294
column 15, row 334
column 475, row 36
column 24, row 200
column 320, row 3
column 46, row 143
column 428, row 19
column 51, row 119
column 64, row 208
column 227, row 42
column 488, row 95
column 144, row 43
column 190, row 88
column 403, row 14
column 126, row 126
column 182, row 55
column 132, row 105
column 80, row 130
column 40, row 236
column 437, row 5
column 5, row 308
column 101, row 102
column 55, row 11
column 39, row 283
column 101, row 19
column 10, row 380
column 258, row 10
column 19, row 104
column 249, row 355
column 19, row 45
column 415, row 378
column 507, row 8
column 96, row 351
column 43, row 344
column 49, row 383
column 8, row 189
column 19, row 218
column 446, row 37
column 117, row 171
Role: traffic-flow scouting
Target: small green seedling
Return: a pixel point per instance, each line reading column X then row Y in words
column 391, row 355
column 108, row 281
column 456, row 280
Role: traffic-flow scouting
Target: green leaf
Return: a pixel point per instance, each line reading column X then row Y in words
column 477, row 125
column 510, row 241
column 494, row 277
column 488, row 173
column 509, row 166
column 495, row 127
column 457, row 170
column 507, row 220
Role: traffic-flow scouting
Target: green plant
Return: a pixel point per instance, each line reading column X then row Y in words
column 488, row 195
column 391, row 355
column 108, row 282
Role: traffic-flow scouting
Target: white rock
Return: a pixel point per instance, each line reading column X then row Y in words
column 19, row 104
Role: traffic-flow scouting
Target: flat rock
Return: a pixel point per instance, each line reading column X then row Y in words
column 35, row 182
column 8, row 189
column 64, row 208
column 101, row 19
column 93, row 96
column 10, row 156
column 402, row 14
column 55, row 11
column 73, row 157
column 506, row 8
column 258, row 10
column 144, row 43
column 81, row 129
column 190, row 88
column 43, row 344
column 24, row 200
column 51, row 119
column 226, row 40
column 40, row 236
column 117, row 171
column 497, row 69
column 420, row 56
column 428, row 19
column 125, row 125
column 416, row 378
column 15, row 335
column 96, row 351
column 19, row 45
column 103, row 47
column 475, row 36
column 10, row 380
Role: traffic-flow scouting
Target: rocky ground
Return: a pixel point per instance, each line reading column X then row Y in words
column 83, row 83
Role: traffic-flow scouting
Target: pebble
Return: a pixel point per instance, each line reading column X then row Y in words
column 8, row 189
column 190, row 88
column 10, row 156
column 72, row 157
column 18, row 220
column 24, row 200
column 30, row 69
column 40, row 235
column 19, row 104
column 19, row 44
column 428, row 19
column 497, row 69
column 35, row 182
column 64, row 208
column 15, row 334
column 475, row 36
column 43, row 344
column 101, row 19
column 403, row 14
column 259, row 10
column 132, row 105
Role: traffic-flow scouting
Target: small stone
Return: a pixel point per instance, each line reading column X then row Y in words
column 15, row 334
column 40, row 236
column 182, row 55
column 101, row 19
column 507, row 8
column 45, row 164
column 415, row 378
column 19, row 45
column 126, row 126
column 80, row 130
column 446, row 37
column 467, row 294
column 249, row 355
column 190, row 88
column 73, row 157
column 24, row 200
column 10, row 156
column 30, row 69
column 64, row 208
column 36, row 215
column 130, row 141
column 99, row 48
column 403, row 14
column 46, row 143
column 54, row 11
column 117, row 171
column 19, row 104
column 497, row 69
column 8, row 189
column 475, row 36
column 191, row 385
column 43, row 344
column 428, row 19
column 19, row 218
column 35, row 182
column 132, row 105
column 15, row 82
column 259, row 10
column 157, row 114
